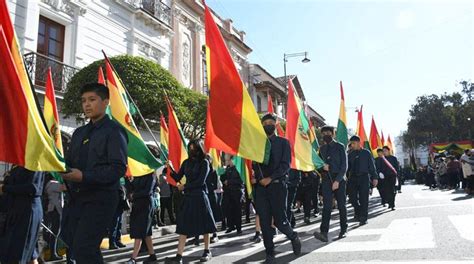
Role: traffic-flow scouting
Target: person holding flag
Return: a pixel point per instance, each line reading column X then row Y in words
column 195, row 217
column 233, row 196
column 97, row 160
column 333, row 183
column 271, row 191
column 389, row 169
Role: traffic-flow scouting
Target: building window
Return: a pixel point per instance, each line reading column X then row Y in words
column 50, row 39
column 259, row 104
column 205, row 88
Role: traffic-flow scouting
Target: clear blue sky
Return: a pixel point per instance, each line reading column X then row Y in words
column 385, row 52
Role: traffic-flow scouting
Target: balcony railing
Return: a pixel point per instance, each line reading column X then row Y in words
column 157, row 9
column 37, row 66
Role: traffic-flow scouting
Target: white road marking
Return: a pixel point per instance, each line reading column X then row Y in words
column 463, row 224
column 411, row 233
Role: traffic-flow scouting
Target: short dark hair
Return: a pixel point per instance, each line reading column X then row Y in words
column 379, row 150
column 268, row 116
column 327, row 128
column 101, row 90
column 199, row 147
column 386, row 147
column 355, row 138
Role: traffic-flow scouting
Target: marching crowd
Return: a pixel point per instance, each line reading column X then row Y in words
column 83, row 206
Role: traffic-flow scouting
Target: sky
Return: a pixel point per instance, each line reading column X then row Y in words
column 385, row 52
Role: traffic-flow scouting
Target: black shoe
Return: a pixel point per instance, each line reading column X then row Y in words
column 230, row 230
column 393, row 208
column 298, row 211
column 362, row 223
column 307, row 221
column 296, row 244
column 239, row 232
column 342, row 234
column 151, row 258
column 399, row 191
column 316, row 214
column 206, row 256
column 113, row 246
column 161, row 224
column 270, row 259
column 321, row 236
column 55, row 257
column 384, row 205
column 214, row 239
column 255, row 238
column 131, row 261
column 120, row 244
column 178, row 259
column 356, row 218
column 196, row 242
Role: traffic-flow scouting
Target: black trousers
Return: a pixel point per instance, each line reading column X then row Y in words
column 307, row 195
column 389, row 189
column 358, row 187
column 289, row 203
column 271, row 204
column 53, row 222
column 380, row 188
column 328, row 195
column 166, row 205
column 88, row 223
column 233, row 202
column 315, row 194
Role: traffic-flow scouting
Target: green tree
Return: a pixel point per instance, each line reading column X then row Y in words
column 441, row 118
column 146, row 82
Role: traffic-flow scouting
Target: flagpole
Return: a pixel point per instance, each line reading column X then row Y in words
column 138, row 110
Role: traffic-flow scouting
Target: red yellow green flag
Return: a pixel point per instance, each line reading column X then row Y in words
column 360, row 130
column 341, row 132
column 390, row 145
column 164, row 138
column 317, row 161
column 270, row 103
column 177, row 151
column 100, row 76
column 24, row 138
column 140, row 160
column 233, row 125
column 382, row 139
column 297, row 133
column 50, row 112
column 244, row 167
column 375, row 141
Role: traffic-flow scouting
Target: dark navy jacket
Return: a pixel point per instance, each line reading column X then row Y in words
column 334, row 154
column 99, row 150
column 233, row 179
column 142, row 187
column 280, row 159
column 384, row 169
column 196, row 172
column 361, row 163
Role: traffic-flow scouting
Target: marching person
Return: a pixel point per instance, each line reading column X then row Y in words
column 271, row 191
column 233, row 196
column 381, row 182
column 333, row 183
column 54, row 209
column 141, row 191
column 361, row 173
column 305, row 194
column 98, row 159
column 195, row 217
column 388, row 169
column 22, row 190
column 294, row 179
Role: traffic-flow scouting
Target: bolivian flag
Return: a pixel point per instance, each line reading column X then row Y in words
column 244, row 167
column 51, row 113
column 164, row 138
column 24, row 138
column 100, row 76
column 233, row 125
column 390, row 145
column 375, row 141
column 297, row 133
column 360, row 130
column 177, row 151
column 382, row 139
column 317, row 161
column 341, row 132
column 140, row 160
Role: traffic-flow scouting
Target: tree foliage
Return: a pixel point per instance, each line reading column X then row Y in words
column 441, row 118
column 146, row 82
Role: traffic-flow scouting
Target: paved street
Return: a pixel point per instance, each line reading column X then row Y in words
column 430, row 226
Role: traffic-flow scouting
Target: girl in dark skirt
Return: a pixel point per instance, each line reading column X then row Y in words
column 195, row 215
column 23, row 189
column 141, row 189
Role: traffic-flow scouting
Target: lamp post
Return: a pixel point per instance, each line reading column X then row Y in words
column 469, row 125
column 292, row 55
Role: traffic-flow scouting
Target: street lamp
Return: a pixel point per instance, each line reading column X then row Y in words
column 469, row 125
column 292, row 55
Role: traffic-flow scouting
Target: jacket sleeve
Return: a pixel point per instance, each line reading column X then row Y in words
column 177, row 176
column 117, row 161
column 284, row 165
column 343, row 159
column 201, row 179
column 372, row 171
